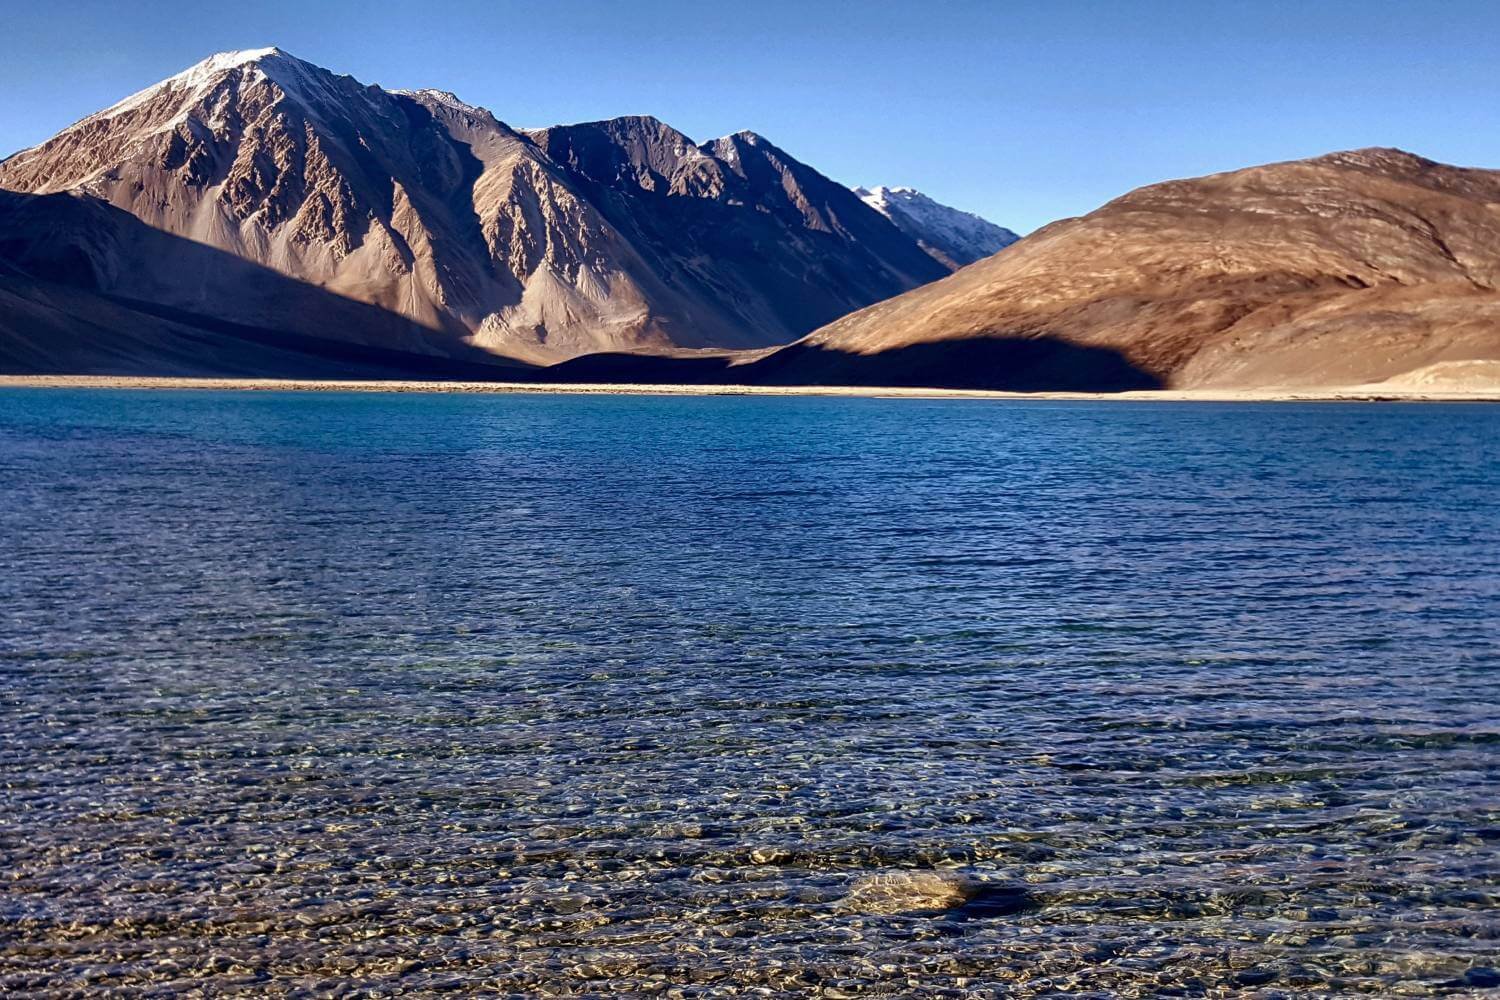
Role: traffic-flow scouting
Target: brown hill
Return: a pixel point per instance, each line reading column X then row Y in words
column 1350, row 268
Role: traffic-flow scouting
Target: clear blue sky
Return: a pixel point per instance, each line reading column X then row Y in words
column 1025, row 112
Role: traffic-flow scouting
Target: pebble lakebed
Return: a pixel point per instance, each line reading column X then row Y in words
column 545, row 695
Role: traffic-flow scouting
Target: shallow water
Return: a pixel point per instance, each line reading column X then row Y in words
column 573, row 695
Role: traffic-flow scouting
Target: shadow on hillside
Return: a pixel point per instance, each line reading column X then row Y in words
column 163, row 286
column 1011, row 364
column 643, row 368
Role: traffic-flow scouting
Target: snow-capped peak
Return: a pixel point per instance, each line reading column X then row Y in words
column 884, row 194
column 220, row 61
column 884, row 198
column 952, row 236
column 202, row 74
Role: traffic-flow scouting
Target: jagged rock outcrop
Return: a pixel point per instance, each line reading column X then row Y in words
column 437, row 212
column 1345, row 269
column 764, row 242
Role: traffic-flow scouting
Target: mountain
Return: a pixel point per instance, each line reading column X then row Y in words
column 471, row 235
column 952, row 237
column 1351, row 268
column 768, row 244
column 258, row 214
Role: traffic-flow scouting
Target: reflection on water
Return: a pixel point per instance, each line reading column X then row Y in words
column 696, row 697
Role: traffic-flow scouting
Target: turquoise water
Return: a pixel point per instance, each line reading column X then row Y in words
column 571, row 695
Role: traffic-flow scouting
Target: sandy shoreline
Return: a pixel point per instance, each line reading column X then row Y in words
column 1364, row 393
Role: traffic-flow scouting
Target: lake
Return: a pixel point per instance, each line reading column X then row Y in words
column 580, row 695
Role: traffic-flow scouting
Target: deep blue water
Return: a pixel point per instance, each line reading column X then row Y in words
column 606, row 694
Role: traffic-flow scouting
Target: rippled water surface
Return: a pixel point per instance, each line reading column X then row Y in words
column 561, row 695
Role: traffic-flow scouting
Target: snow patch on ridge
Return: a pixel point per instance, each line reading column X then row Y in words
column 944, row 232
column 444, row 98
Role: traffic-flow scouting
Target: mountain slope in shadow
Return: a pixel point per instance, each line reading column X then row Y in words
column 90, row 289
column 1009, row 364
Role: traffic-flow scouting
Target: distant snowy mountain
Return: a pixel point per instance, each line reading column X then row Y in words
column 953, row 237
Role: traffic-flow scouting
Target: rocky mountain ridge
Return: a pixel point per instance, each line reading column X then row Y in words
column 258, row 207
column 537, row 246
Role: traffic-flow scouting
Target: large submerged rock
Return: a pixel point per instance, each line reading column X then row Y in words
column 888, row 893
